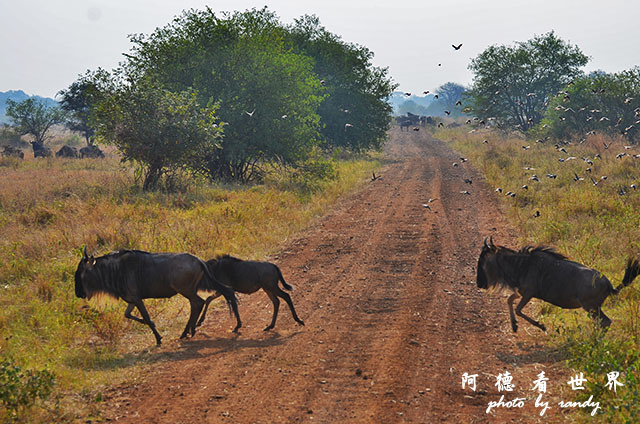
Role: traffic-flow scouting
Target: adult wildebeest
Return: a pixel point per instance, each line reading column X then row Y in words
column 248, row 277
column 92, row 151
column 14, row 152
column 40, row 150
column 67, row 152
column 543, row 273
column 133, row 275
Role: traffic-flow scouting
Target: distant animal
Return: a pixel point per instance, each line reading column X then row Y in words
column 12, row 152
column 456, row 47
column 40, row 150
column 134, row 275
column 92, row 151
column 542, row 273
column 248, row 277
column 67, row 152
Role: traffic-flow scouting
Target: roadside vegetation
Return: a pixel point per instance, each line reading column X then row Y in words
column 597, row 225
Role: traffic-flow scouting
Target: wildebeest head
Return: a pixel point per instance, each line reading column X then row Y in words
column 486, row 266
column 85, row 276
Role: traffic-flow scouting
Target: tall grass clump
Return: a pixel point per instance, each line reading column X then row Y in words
column 50, row 209
column 590, row 211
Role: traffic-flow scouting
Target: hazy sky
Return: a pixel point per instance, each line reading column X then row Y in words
column 45, row 44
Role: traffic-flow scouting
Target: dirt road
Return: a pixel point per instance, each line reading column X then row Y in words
column 393, row 318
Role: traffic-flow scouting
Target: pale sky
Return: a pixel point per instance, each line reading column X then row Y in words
column 45, row 44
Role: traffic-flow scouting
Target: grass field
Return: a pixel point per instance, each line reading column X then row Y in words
column 598, row 225
column 51, row 208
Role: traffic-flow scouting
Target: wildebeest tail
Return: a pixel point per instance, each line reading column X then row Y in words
column 209, row 283
column 632, row 271
column 284, row 283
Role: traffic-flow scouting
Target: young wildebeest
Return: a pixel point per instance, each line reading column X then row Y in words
column 133, row 275
column 248, row 277
column 543, row 273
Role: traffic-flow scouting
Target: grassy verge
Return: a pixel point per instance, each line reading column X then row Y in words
column 596, row 225
column 49, row 209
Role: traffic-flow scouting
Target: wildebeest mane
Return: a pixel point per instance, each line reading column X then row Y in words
column 227, row 257
column 514, row 264
column 543, row 249
column 116, row 272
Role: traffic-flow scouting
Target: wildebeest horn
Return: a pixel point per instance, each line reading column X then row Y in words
column 491, row 242
column 84, row 253
column 485, row 243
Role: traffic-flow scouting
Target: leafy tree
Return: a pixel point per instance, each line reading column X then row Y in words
column 449, row 94
column 80, row 99
column 608, row 103
column 514, row 83
column 163, row 131
column 33, row 117
column 268, row 95
column 355, row 114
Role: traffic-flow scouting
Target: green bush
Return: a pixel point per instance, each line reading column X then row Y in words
column 19, row 389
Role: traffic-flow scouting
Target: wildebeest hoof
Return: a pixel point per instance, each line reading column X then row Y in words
column 301, row 322
column 543, row 328
column 268, row 328
column 514, row 328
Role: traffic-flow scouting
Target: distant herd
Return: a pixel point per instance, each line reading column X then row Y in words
column 40, row 151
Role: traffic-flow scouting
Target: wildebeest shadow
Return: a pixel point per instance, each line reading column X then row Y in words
column 182, row 350
column 535, row 354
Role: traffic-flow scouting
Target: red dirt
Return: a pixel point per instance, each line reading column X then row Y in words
column 393, row 318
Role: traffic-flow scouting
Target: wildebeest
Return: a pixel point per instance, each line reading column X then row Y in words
column 92, row 151
column 14, row 152
column 545, row 274
column 133, row 275
column 67, row 152
column 248, row 277
column 40, row 150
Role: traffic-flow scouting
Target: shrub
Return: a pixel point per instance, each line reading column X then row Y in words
column 19, row 389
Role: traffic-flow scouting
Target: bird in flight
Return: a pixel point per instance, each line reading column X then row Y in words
column 456, row 47
column 250, row 113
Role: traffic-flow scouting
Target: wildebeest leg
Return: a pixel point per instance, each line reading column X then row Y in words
column 276, row 306
column 287, row 299
column 196, row 307
column 605, row 322
column 127, row 314
column 514, row 324
column 206, row 306
column 523, row 302
column 147, row 320
column 234, row 306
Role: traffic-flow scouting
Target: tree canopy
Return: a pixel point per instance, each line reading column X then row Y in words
column 513, row 84
column 280, row 91
column 34, row 117
column 355, row 112
column 603, row 102
column 79, row 100
column 268, row 95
